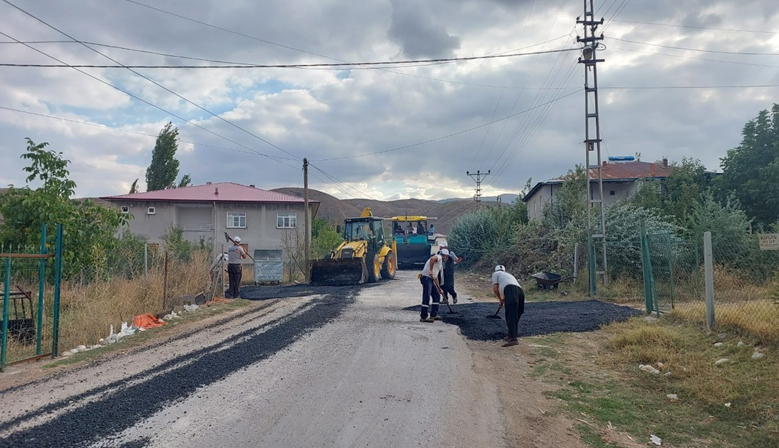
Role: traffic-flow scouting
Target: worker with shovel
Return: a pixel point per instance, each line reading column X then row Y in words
column 509, row 293
column 234, row 271
column 431, row 287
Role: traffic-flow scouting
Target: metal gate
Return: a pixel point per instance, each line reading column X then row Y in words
column 31, row 301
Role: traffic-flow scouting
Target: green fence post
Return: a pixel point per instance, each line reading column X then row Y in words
column 55, row 320
column 6, row 299
column 41, row 285
column 646, row 265
column 591, row 268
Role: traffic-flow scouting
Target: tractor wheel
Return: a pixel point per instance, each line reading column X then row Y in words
column 374, row 267
column 390, row 266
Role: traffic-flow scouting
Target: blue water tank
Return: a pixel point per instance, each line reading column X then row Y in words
column 621, row 158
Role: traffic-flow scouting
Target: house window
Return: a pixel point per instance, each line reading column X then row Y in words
column 151, row 211
column 125, row 209
column 236, row 220
column 612, row 193
column 287, row 221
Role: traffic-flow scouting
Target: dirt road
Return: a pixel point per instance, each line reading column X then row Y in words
column 349, row 367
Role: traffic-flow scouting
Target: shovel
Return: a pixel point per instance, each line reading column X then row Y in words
column 495, row 316
column 230, row 240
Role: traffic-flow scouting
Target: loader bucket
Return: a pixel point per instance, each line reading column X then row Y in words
column 338, row 271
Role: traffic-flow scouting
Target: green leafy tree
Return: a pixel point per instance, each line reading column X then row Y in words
column 88, row 229
column 324, row 238
column 569, row 206
column 185, row 181
column 685, row 187
column 164, row 167
column 751, row 170
column 134, row 187
column 647, row 196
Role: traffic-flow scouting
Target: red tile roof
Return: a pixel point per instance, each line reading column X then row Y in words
column 633, row 170
column 217, row 192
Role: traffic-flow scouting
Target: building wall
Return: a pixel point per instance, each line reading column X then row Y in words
column 536, row 204
column 612, row 192
column 208, row 222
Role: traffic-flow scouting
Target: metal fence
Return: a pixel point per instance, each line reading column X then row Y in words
column 721, row 281
column 31, row 298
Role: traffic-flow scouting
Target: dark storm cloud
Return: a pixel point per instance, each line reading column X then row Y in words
column 316, row 114
column 414, row 28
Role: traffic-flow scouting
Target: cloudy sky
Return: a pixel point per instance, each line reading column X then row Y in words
column 387, row 133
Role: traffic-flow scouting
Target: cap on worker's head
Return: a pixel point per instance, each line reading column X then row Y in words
column 237, row 239
column 444, row 252
column 442, row 244
column 499, row 268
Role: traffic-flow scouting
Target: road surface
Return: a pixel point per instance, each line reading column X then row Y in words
column 347, row 368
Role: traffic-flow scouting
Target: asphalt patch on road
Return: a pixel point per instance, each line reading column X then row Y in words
column 539, row 318
column 117, row 406
column 289, row 291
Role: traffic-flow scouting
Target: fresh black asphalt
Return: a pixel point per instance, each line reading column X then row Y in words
column 120, row 407
column 539, row 318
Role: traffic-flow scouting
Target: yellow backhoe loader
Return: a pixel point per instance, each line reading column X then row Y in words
column 363, row 257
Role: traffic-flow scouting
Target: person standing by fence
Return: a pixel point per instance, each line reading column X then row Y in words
column 234, row 271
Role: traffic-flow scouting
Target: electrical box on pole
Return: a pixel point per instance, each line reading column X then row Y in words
column 596, row 213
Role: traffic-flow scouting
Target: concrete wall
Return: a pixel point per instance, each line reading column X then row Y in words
column 208, row 221
column 535, row 206
column 612, row 192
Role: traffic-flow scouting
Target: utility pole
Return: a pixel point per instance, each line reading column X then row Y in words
column 307, row 225
column 596, row 225
column 479, row 176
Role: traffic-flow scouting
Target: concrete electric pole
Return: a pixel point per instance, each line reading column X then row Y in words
column 307, row 225
column 596, row 213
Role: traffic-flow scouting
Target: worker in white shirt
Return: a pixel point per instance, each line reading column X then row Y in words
column 509, row 293
column 431, row 287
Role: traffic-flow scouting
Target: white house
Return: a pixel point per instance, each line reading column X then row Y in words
column 620, row 181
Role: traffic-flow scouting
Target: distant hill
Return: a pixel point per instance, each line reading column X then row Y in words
column 334, row 209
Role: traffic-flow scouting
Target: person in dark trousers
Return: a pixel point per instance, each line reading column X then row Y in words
column 509, row 293
column 446, row 278
column 235, row 254
column 431, row 287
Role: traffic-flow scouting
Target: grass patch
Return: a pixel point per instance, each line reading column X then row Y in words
column 141, row 337
column 612, row 390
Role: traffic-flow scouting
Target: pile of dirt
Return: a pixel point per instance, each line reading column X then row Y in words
column 539, row 318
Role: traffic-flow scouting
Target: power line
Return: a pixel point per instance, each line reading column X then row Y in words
column 339, row 182
column 695, row 27
column 696, row 58
column 756, row 86
column 127, row 131
column 741, row 53
column 337, row 66
column 445, row 136
column 230, row 31
column 184, row 120
column 149, row 79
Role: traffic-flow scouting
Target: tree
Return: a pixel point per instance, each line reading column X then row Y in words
column 164, row 167
column 185, row 181
column 685, row 187
column 88, row 229
column 134, row 187
column 324, row 238
column 751, row 170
